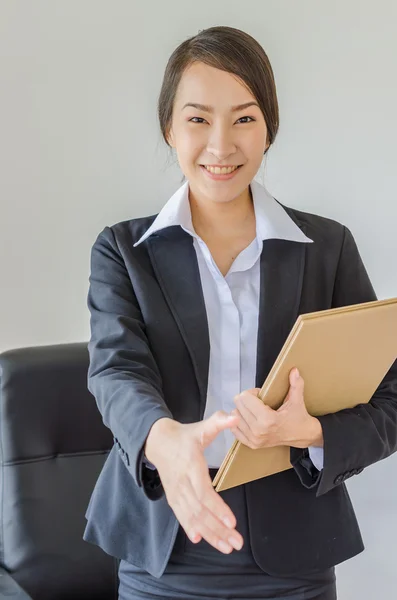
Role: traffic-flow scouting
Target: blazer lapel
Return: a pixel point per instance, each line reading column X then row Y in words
column 281, row 276
column 175, row 264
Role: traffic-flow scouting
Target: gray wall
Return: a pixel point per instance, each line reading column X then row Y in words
column 80, row 149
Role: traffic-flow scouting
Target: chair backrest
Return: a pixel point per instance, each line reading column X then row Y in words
column 52, row 447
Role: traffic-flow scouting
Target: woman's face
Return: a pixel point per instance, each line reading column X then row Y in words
column 216, row 133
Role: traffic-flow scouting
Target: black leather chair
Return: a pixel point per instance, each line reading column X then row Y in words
column 52, row 447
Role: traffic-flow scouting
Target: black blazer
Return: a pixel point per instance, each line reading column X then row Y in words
column 149, row 357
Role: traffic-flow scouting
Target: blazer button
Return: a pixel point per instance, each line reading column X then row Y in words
column 359, row 470
column 338, row 479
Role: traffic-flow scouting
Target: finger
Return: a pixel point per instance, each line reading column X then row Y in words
column 242, row 437
column 296, row 390
column 211, row 427
column 253, row 391
column 226, row 545
column 246, row 411
column 212, row 530
column 295, row 379
column 217, row 542
column 204, row 516
column 252, row 403
column 300, row 383
column 243, row 427
column 201, row 484
column 188, row 508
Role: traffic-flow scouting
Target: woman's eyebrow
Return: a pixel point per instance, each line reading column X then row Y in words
column 209, row 109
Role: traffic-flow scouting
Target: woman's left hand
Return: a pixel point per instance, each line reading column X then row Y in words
column 291, row 425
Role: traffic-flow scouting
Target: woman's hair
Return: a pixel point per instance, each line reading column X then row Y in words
column 230, row 50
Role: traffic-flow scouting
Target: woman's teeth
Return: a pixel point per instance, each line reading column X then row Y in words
column 220, row 170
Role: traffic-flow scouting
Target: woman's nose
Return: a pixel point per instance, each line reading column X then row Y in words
column 221, row 144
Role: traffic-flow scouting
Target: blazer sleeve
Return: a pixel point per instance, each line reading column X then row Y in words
column 123, row 375
column 357, row 437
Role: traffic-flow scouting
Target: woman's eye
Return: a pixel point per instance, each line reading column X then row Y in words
column 201, row 120
column 251, row 119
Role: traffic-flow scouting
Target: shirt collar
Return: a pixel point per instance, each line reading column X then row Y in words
column 272, row 221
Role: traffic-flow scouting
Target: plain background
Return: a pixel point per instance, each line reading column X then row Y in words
column 81, row 149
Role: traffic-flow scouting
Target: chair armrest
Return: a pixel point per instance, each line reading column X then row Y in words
column 10, row 589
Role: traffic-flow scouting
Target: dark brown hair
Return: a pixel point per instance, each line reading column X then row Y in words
column 230, row 50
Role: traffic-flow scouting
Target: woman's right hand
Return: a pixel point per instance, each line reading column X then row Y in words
column 177, row 452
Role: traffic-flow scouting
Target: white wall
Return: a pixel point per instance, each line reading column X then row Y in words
column 80, row 149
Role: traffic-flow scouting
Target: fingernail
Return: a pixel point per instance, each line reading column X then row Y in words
column 297, row 375
column 228, row 522
column 237, row 544
column 224, row 547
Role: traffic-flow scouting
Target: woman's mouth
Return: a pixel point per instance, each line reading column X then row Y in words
column 220, row 173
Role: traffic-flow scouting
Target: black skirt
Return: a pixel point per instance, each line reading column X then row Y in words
column 200, row 572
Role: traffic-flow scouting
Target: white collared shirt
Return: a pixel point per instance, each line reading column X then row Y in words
column 232, row 304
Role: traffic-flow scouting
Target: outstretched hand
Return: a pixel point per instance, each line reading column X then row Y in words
column 177, row 451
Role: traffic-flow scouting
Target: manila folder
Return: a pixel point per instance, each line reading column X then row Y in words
column 342, row 354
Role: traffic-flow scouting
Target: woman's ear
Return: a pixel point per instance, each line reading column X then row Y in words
column 170, row 138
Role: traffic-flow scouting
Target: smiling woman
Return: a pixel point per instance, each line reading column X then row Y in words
column 218, row 109
column 211, row 134
column 218, row 136
column 189, row 309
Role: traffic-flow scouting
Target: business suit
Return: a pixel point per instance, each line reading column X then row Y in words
column 149, row 358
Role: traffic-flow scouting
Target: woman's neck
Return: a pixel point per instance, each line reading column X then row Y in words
column 223, row 219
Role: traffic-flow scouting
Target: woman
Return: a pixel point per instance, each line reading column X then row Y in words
column 189, row 310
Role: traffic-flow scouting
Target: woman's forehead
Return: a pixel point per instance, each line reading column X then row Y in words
column 206, row 85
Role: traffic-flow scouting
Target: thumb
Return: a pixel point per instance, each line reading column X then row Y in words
column 297, row 383
column 296, row 390
column 209, row 428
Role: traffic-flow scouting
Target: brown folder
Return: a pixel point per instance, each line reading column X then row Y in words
column 342, row 354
